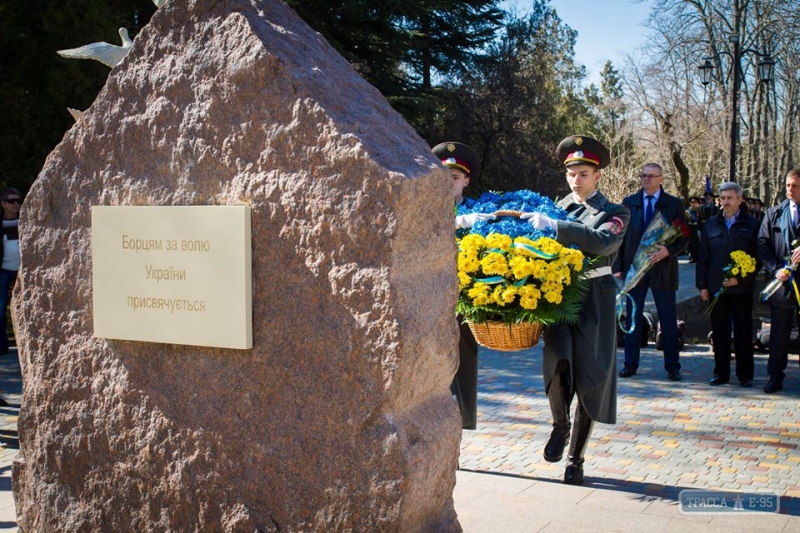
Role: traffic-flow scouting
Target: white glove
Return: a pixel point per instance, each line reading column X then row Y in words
column 467, row 221
column 540, row 221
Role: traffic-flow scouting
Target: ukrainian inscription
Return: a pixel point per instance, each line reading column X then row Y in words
column 178, row 275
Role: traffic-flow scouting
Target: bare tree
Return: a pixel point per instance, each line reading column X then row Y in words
column 693, row 128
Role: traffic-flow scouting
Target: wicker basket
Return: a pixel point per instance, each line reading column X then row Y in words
column 506, row 337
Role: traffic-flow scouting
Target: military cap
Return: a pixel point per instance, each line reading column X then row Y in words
column 695, row 199
column 581, row 150
column 460, row 156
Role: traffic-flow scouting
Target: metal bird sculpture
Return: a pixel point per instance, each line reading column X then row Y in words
column 110, row 55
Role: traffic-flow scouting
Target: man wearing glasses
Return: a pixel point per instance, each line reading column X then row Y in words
column 661, row 279
column 11, row 200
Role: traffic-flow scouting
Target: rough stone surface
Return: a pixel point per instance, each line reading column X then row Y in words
column 340, row 417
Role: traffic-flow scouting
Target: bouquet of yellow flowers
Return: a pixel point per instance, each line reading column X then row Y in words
column 518, row 280
column 740, row 266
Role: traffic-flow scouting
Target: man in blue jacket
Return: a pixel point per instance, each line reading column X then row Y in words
column 661, row 279
column 731, row 229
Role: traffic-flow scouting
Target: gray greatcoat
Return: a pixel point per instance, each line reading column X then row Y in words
column 590, row 345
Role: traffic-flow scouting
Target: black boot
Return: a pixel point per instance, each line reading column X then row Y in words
column 573, row 475
column 560, row 399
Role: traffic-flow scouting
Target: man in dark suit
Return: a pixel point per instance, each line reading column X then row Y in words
column 661, row 279
column 776, row 237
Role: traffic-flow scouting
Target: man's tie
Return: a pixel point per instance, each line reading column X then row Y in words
column 648, row 211
column 795, row 217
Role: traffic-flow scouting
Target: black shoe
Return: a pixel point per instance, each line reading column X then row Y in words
column 773, row 385
column 747, row 383
column 3, row 402
column 716, row 380
column 573, row 475
column 674, row 375
column 554, row 449
column 581, row 431
column 627, row 371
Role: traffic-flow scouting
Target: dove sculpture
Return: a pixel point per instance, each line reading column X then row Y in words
column 76, row 114
column 108, row 54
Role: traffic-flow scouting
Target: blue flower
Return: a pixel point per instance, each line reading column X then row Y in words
column 522, row 200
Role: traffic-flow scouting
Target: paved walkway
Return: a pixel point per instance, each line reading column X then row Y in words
column 11, row 391
column 669, row 436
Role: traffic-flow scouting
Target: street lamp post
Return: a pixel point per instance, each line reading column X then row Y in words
column 765, row 69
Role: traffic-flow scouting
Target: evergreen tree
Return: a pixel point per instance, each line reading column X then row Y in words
column 38, row 86
column 517, row 101
column 365, row 32
column 444, row 38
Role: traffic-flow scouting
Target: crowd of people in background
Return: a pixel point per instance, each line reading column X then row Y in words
column 720, row 224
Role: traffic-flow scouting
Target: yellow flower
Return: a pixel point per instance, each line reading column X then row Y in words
column 507, row 295
column 552, row 293
column 521, row 267
column 479, row 294
column 468, row 263
column 539, row 268
column 573, row 257
column 529, row 297
column 473, row 240
column 548, row 245
column 499, row 240
column 533, row 287
column 743, row 264
column 494, row 264
column 498, row 295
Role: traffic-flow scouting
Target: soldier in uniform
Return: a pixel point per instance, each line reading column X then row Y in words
column 464, row 167
column 756, row 207
column 693, row 221
column 580, row 359
column 709, row 208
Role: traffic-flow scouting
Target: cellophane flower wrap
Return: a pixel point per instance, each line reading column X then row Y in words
column 659, row 232
column 740, row 266
column 790, row 269
column 510, row 272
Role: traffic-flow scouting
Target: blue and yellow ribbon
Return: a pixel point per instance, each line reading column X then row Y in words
column 535, row 251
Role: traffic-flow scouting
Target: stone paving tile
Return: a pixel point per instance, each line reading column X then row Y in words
column 11, row 391
column 669, row 435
